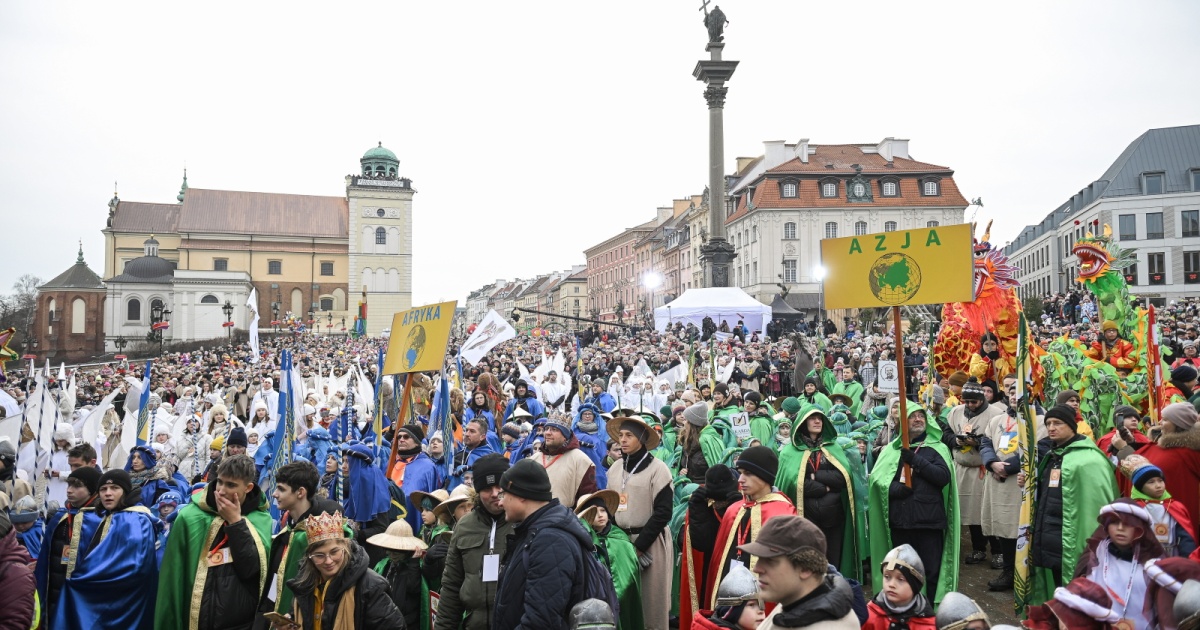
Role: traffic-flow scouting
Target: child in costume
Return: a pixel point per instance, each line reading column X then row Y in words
column 616, row 552
column 738, row 606
column 1080, row 605
column 402, row 570
column 1169, row 523
column 900, row 602
column 1114, row 559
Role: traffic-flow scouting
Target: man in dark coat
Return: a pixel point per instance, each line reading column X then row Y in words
column 541, row 575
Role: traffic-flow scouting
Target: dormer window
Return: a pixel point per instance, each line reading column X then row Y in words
column 1152, row 183
column 829, row 188
column 789, row 189
column 931, row 187
column 889, row 187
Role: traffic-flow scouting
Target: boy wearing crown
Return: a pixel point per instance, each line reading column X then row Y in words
column 1169, row 522
column 217, row 552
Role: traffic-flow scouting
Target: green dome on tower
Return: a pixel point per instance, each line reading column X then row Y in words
column 379, row 162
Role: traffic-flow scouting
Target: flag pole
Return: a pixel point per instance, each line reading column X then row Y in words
column 408, row 379
column 903, row 421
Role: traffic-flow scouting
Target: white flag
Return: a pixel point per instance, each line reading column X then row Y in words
column 489, row 333
column 252, row 304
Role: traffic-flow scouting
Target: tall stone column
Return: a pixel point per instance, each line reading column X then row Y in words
column 717, row 253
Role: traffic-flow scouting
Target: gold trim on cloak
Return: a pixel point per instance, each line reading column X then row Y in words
column 755, row 525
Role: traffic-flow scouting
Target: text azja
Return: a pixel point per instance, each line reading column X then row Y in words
column 883, row 243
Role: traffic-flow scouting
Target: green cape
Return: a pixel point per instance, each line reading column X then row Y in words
column 793, row 461
column 763, row 429
column 879, row 483
column 717, row 442
column 854, row 390
column 184, row 568
column 619, row 555
column 1084, row 492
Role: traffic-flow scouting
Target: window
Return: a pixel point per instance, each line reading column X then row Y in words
column 275, row 267
column 930, row 188
column 754, row 235
column 133, row 310
column 1190, row 219
column 789, row 231
column 1191, row 267
column 155, row 304
column 326, row 267
column 789, row 271
column 220, row 264
column 788, row 190
column 831, row 230
column 380, row 236
column 859, row 189
column 860, row 228
column 210, row 299
column 889, row 226
column 1127, row 228
column 1154, row 225
column 1158, row 268
column 1196, row 180
column 890, row 189
column 1153, row 183
column 829, row 189
column 754, row 272
column 78, row 316
column 326, row 304
column 932, row 224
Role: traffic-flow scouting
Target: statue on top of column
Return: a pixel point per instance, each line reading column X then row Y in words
column 715, row 21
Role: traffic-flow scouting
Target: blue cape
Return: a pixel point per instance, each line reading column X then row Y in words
column 420, row 475
column 369, row 495
column 115, row 583
column 32, row 538
column 88, row 523
column 456, row 479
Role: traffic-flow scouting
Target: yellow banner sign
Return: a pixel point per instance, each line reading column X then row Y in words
column 419, row 339
column 923, row 266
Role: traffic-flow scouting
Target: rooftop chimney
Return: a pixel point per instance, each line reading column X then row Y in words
column 891, row 148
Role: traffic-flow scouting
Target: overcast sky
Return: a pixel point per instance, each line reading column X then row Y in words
column 532, row 130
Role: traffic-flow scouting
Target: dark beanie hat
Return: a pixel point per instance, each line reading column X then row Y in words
column 1064, row 413
column 973, row 390
column 526, row 479
column 1065, row 395
column 1123, row 411
column 992, row 384
column 720, row 482
column 1183, row 374
column 760, row 461
column 119, row 478
column 752, row 396
column 414, row 431
column 237, row 437
column 811, row 380
column 511, row 430
column 722, row 388
column 488, row 470
column 89, row 476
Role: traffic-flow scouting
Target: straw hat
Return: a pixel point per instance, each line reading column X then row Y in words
column 437, row 496
column 446, row 508
column 611, row 500
column 399, row 536
column 651, row 440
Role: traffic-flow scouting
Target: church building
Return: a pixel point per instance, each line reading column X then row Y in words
column 309, row 256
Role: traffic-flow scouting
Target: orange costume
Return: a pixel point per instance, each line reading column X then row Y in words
column 1119, row 355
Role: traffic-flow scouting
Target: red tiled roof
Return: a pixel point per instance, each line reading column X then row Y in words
column 767, row 195
column 843, row 156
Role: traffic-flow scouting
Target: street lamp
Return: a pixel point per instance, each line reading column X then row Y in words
column 119, row 344
column 275, row 316
column 160, row 317
column 228, row 310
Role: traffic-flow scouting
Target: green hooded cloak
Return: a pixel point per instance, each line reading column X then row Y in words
column 717, row 441
column 793, row 462
column 618, row 554
column 880, row 482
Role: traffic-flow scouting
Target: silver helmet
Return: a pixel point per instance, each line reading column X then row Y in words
column 592, row 614
column 958, row 610
column 1187, row 606
column 737, row 587
column 904, row 556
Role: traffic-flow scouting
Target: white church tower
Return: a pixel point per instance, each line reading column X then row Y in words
column 380, row 239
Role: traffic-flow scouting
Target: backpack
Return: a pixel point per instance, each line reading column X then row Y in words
column 598, row 582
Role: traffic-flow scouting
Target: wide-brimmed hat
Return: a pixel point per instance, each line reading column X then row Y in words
column 833, row 398
column 611, row 499
column 399, row 536
column 446, row 508
column 437, row 496
column 650, row 438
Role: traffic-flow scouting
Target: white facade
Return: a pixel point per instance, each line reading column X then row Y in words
column 380, row 257
column 195, row 299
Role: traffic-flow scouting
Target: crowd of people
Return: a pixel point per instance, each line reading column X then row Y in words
column 701, row 477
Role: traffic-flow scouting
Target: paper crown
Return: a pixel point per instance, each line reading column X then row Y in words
column 321, row 527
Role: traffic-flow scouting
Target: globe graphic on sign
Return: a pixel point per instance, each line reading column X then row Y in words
column 416, row 345
column 895, row 278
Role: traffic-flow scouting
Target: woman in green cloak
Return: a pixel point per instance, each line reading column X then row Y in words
column 825, row 485
column 617, row 553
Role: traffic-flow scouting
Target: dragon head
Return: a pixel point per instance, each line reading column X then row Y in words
column 992, row 268
column 1098, row 254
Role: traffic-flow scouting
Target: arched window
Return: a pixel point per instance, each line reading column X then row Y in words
column 789, row 230
column 932, row 224
column 860, row 228
column 889, row 226
column 133, row 310
column 380, row 236
column 831, row 229
column 52, row 314
column 78, row 316
column 297, row 302
column 210, row 299
column 326, row 304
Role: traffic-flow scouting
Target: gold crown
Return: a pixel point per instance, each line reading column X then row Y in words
column 324, row 527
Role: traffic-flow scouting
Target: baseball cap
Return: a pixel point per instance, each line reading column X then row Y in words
column 783, row 535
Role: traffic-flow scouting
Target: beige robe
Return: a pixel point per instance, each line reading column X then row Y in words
column 968, row 464
column 566, row 472
column 640, row 490
column 1002, row 500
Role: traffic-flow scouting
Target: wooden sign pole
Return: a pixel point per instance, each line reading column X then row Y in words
column 903, row 420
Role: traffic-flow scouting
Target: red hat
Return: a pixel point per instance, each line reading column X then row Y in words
column 1083, row 604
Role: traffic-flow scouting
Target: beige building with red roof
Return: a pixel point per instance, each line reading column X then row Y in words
column 782, row 203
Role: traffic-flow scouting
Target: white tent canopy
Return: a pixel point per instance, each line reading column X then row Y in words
column 728, row 304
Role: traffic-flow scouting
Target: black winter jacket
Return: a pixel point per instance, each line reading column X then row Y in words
column 922, row 506
column 373, row 607
column 541, row 575
column 230, row 600
column 1047, row 547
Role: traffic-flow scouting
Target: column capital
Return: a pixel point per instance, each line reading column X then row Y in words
column 715, row 95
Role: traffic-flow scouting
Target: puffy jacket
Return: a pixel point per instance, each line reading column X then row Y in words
column 830, row 607
column 541, row 574
column 373, row 607
column 1047, row 548
column 922, row 506
column 466, row 600
column 918, row 617
column 17, row 586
